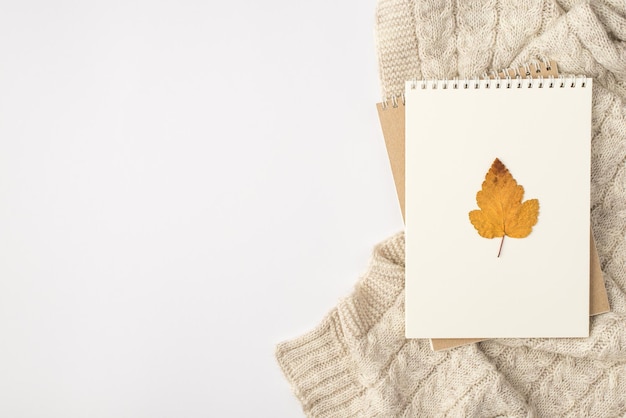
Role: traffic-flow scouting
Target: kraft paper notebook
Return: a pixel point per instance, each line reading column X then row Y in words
column 392, row 117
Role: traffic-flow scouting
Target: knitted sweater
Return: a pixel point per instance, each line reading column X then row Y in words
column 357, row 362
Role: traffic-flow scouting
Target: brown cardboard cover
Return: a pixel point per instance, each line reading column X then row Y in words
column 392, row 118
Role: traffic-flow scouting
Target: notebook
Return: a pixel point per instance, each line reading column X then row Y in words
column 392, row 117
column 489, row 163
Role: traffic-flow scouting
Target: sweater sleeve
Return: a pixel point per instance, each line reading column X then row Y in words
column 319, row 369
column 326, row 367
column 357, row 362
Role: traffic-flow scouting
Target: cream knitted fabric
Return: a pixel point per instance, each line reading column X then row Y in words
column 357, row 361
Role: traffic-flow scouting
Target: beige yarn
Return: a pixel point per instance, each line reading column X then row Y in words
column 357, row 363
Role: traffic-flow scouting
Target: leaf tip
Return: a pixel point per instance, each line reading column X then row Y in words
column 498, row 167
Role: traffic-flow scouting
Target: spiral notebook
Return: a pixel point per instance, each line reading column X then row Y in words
column 494, row 162
column 392, row 120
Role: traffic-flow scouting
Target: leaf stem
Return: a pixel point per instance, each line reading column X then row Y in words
column 501, row 242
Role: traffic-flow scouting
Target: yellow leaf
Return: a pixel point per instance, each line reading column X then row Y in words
column 502, row 212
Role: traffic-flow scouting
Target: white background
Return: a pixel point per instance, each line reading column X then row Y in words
column 183, row 184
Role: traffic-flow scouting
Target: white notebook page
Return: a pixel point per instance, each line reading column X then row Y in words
column 456, row 286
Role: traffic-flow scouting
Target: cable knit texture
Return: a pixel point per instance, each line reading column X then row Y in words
column 357, row 363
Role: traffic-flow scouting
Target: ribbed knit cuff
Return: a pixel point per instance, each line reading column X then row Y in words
column 320, row 372
column 326, row 367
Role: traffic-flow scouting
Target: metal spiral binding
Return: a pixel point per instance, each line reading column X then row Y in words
column 394, row 101
column 505, row 78
column 485, row 81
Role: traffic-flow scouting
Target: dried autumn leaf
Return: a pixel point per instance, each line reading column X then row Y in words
column 502, row 212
